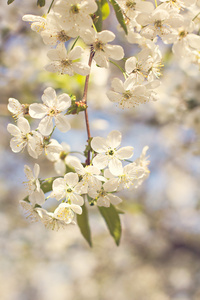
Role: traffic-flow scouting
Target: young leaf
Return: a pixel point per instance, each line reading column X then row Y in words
column 83, row 223
column 111, row 217
column 41, row 3
column 105, row 9
column 98, row 17
column 119, row 15
column 10, row 1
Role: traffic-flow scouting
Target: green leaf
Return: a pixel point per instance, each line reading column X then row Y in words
column 98, row 17
column 41, row 3
column 105, row 9
column 10, row 1
column 111, row 217
column 119, row 14
column 83, row 223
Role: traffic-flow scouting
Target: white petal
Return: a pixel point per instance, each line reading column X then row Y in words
column 76, row 208
column 71, row 179
column 115, row 166
column 14, row 105
column 81, row 69
column 23, row 125
column 37, row 111
column 105, row 36
column 49, row 97
column 130, row 64
column 114, row 139
column 114, row 199
column 113, row 96
column 103, row 201
column 14, row 130
column 28, row 172
column 17, row 145
column 118, row 85
column 46, row 126
column 125, row 152
column 114, row 51
column 60, row 167
column 36, row 170
column 62, row 123
column 99, row 144
column 63, row 102
column 100, row 161
column 75, row 53
column 37, row 197
column 77, row 199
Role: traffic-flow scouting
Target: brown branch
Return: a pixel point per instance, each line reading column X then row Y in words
column 84, row 100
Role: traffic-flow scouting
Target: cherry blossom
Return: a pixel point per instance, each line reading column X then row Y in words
column 52, row 108
column 108, row 155
column 36, row 195
column 64, row 63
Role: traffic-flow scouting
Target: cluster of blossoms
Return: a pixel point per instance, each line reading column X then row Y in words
column 145, row 25
column 109, row 171
column 98, row 181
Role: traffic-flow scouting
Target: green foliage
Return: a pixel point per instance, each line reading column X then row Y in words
column 111, row 217
column 10, row 1
column 83, row 223
column 98, row 17
column 41, row 3
column 105, row 9
column 119, row 14
column 101, row 14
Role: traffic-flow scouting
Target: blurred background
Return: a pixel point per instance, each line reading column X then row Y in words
column 158, row 258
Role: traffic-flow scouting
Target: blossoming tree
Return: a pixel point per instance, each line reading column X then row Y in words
column 107, row 168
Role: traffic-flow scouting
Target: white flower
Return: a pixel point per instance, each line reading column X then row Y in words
column 176, row 4
column 131, row 8
column 65, row 212
column 36, row 195
column 108, row 153
column 17, row 109
column 103, row 195
column 147, row 65
column 130, row 93
column 75, row 14
column 38, row 23
column 22, row 137
column 159, row 22
column 30, row 211
column 102, row 50
column 90, row 174
column 69, row 188
column 50, row 220
column 127, row 177
column 54, row 32
column 62, row 61
column 52, row 108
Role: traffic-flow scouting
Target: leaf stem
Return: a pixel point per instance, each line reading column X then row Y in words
column 50, row 6
column 74, row 43
column 121, row 69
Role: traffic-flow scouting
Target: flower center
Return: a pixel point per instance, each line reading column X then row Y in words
column 62, row 36
column 127, row 95
column 98, row 45
column 52, row 112
column 75, row 9
column 66, row 62
column 111, row 152
column 69, row 190
column 63, row 154
column 130, row 4
column 182, row 34
column 158, row 23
